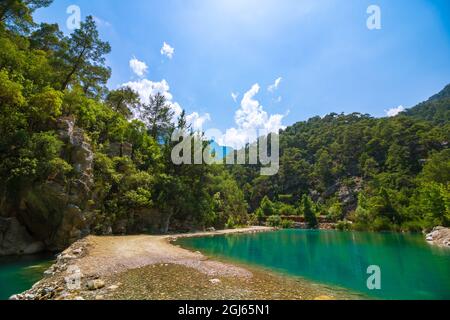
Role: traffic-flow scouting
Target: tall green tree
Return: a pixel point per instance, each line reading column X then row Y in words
column 17, row 14
column 123, row 101
column 85, row 56
column 158, row 115
column 307, row 209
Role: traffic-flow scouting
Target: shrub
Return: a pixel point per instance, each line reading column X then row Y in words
column 231, row 223
column 274, row 221
column 287, row 224
column 252, row 220
column 381, row 224
column 412, row 226
column 343, row 226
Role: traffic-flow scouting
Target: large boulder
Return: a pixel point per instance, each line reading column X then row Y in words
column 16, row 240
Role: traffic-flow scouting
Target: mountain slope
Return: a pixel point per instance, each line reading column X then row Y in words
column 436, row 109
column 371, row 171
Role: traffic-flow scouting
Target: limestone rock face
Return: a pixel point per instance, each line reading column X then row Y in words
column 16, row 240
column 55, row 213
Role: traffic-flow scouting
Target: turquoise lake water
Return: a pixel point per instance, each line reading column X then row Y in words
column 18, row 274
column 410, row 267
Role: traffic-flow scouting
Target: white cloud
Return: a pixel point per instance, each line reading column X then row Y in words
column 139, row 67
column 395, row 111
column 102, row 23
column 251, row 118
column 197, row 121
column 274, row 87
column 234, row 96
column 167, row 50
column 146, row 88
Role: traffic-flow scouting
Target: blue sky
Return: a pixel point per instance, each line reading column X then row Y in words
column 327, row 58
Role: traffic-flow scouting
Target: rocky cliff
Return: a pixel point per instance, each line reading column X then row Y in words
column 54, row 214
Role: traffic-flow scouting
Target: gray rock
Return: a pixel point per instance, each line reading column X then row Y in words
column 30, row 296
column 16, row 240
column 54, row 214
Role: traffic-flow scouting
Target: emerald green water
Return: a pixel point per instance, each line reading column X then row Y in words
column 18, row 274
column 410, row 268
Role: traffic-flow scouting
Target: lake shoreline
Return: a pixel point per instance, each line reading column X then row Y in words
column 440, row 237
column 120, row 267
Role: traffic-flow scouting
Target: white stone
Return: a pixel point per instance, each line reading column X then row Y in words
column 215, row 281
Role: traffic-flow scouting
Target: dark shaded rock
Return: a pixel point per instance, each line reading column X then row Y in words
column 117, row 149
column 16, row 240
column 140, row 221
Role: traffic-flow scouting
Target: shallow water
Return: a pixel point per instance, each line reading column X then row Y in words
column 18, row 274
column 410, row 267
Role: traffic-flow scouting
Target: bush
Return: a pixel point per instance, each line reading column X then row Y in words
column 231, row 223
column 287, row 210
column 381, row 224
column 287, row 224
column 253, row 220
column 413, row 226
column 309, row 214
column 274, row 221
column 267, row 207
column 335, row 212
column 343, row 226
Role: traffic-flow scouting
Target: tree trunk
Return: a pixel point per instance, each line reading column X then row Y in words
column 74, row 69
column 165, row 223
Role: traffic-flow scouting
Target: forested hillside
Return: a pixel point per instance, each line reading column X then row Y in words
column 380, row 174
column 72, row 162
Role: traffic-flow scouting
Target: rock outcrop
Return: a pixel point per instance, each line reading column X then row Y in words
column 439, row 236
column 16, row 240
column 54, row 214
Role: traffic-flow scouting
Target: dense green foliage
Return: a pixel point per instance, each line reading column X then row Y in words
column 363, row 172
column 44, row 76
column 380, row 174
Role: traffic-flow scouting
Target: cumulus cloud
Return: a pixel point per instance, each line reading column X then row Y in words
column 395, row 111
column 139, row 67
column 147, row 88
column 196, row 121
column 251, row 121
column 273, row 87
column 167, row 50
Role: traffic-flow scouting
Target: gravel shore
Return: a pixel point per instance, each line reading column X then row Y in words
column 150, row 267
